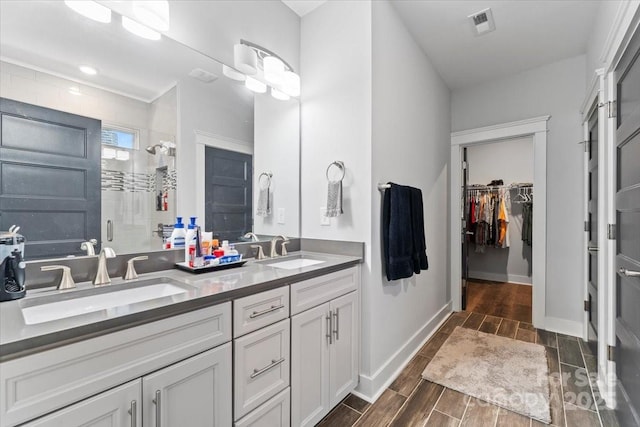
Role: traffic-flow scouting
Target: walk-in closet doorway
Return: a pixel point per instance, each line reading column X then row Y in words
column 536, row 129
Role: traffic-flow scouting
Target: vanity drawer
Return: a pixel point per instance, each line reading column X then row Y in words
column 43, row 382
column 261, row 368
column 275, row 413
column 316, row 291
column 257, row 311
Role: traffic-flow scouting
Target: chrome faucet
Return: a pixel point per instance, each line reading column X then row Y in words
column 274, row 242
column 131, row 270
column 251, row 236
column 89, row 246
column 102, row 274
column 66, row 281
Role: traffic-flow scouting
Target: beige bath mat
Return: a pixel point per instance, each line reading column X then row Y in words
column 506, row 372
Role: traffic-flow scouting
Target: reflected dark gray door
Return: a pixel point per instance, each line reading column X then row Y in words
column 628, row 237
column 50, row 178
column 593, row 231
column 228, row 196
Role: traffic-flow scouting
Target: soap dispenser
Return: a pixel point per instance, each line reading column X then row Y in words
column 178, row 234
column 190, row 239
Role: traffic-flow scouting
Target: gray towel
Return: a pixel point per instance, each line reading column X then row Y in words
column 264, row 203
column 334, row 199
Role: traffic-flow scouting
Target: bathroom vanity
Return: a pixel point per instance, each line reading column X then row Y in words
column 275, row 342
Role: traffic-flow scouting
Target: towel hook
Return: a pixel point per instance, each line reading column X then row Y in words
column 268, row 175
column 339, row 165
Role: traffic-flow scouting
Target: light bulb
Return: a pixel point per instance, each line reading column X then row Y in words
column 233, row 74
column 273, row 70
column 255, row 85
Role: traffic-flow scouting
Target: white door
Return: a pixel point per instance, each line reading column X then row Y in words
column 343, row 352
column 118, row 407
column 310, row 366
column 194, row 392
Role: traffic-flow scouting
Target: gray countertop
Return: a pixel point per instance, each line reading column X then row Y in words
column 18, row 339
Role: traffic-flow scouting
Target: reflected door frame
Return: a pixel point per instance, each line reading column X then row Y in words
column 537, row 128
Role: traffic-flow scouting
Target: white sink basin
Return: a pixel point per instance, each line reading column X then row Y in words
column 56, row 310
column 293, row 264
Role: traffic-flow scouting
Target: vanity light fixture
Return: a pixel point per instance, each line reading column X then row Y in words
column 233, row 74
column 255, row 85
column 140, row 30
column 153, row 13
column 279, row 94
column 90, row 9
column 265, row 67
column 89, row 70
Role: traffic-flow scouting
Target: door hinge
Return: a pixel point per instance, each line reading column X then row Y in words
column 611, row 353
column 612, row 108
column 587, row 305
column 611, row 231
column 587, row 146
column 587, row 227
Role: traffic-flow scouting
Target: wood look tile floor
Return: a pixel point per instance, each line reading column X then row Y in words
column 506, row 300
column 412, row 401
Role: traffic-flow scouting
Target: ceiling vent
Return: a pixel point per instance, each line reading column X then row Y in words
column 482, row 22
column 202, row 75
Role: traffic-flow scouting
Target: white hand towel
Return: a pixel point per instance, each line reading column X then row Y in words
column 264, row 203
column 334, row 199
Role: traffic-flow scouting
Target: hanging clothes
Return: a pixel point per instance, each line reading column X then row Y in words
column 527, row 223
column 503, row 224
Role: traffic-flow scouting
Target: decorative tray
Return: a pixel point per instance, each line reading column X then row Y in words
column 208, row 268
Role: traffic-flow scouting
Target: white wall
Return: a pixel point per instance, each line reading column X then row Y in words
column 276, row 150
column 407, row 141
column 336, row 116
column 511, row 161
column 556, row 89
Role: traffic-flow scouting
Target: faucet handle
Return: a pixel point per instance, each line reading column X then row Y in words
column 283, row 251
column 131, row 270
column 260, row 254
column 67, row 280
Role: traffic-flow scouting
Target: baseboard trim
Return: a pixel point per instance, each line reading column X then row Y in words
column 371, row 387
column 496, row 277
column 563, row 326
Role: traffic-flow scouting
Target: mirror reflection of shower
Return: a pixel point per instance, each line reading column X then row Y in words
column 166, row 148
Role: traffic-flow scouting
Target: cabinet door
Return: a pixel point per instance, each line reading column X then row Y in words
column 310, row 366
column 344, row 352
column 118, row 407
column 275, row 413
column 193, row 392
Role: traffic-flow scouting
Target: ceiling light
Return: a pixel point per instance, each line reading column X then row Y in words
column 75, row 90
column 245, row 59
column 291, row 84
column 273, row 69
column 139, row 29
column 279, row 95
column 91, row 10
column 255, row 85
column 233, row 74
column 88, row 70
column 153, row 13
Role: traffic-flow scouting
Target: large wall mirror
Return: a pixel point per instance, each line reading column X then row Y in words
column 174, row 137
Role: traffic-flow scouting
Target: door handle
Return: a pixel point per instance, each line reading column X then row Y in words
column 629, row 273
column 266, row 311
column 329, row 334
column 158, row 408
column 336, row 329
column 134, row 413
column 109, row 230
column 592, row 248
column 257, row 372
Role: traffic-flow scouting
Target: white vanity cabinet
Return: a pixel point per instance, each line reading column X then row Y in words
column 182, row 356
column 325, row 344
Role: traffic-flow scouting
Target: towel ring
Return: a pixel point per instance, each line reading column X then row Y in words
column 339, row 165
column 268, row 176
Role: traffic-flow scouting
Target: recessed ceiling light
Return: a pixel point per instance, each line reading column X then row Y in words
column 90, row 9
column 139, row 29
column 87, row 69
column 75, row 90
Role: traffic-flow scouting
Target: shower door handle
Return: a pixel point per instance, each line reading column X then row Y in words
column 109, row 230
